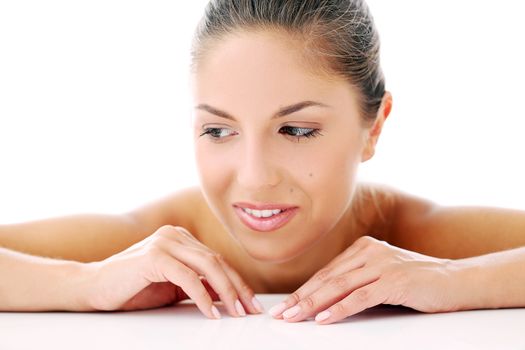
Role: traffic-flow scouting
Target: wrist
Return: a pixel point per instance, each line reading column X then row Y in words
column 468, row 285
column 83, row 277
column 72, row 290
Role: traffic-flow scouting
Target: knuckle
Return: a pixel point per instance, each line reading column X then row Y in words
column 338, row 309
column 369, row 243
column 362, row 295
column 210, row 258
column 294, row 297
column 228, row 292
column 164, row 229
column 246, row 289
column 205, row 256
column 218, row 257
column 153, row 248
column 171, row 231
column 339, row 282
column 322, row 275
column 190, row 275
column 166, row 232
column 159, row 241
column 182, row 230
column 308, row 302
column 365, row 240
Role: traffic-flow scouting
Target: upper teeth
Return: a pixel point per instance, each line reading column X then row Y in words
column 262, row 213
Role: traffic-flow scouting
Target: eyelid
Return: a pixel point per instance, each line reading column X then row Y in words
column 304, row 132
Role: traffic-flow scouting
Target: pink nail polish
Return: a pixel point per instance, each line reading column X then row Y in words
column 277, row 309
column 323, row 316
column 215, row 312
column 239, row 308
column 291, row 312
column 257, row 304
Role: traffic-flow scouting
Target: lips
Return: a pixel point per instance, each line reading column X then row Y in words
column 265, row 206
column 265, row 224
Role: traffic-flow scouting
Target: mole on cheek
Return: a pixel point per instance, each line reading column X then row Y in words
column 311, row 174
column 291, row 190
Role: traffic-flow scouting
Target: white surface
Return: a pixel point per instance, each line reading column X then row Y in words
column 184, row 327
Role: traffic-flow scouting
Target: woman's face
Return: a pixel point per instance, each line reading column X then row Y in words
column 251, row 149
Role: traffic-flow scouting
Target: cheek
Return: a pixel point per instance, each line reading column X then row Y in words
column 332, row 180
column 212, row 172
column 212, row 164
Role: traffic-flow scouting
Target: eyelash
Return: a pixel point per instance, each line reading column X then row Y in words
column 311, row 133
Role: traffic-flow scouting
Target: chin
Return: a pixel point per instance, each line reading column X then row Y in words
column 269, row 255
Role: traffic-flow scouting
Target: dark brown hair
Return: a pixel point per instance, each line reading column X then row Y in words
column 338, row 38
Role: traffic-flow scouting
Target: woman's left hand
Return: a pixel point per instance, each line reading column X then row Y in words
column 368, row 273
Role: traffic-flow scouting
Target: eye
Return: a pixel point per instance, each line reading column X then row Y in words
column 215, row 133
column 218, row 134
column 299, row 132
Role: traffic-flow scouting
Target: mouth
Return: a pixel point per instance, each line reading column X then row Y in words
column 265, row 220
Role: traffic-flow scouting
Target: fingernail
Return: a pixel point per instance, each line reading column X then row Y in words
column 291, row 312
column 215, row 312
column 257, row 304
column 323, row 315
column 239, row 308
column 277, row 309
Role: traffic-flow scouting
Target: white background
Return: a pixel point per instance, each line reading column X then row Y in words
column 95, row 110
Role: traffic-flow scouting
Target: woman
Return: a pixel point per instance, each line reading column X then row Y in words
column 289, row 100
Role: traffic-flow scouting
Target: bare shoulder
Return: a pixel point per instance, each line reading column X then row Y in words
column 179, row 208
column 374, row 208
column 390, row 209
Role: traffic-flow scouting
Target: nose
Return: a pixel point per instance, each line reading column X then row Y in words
column 257, row 166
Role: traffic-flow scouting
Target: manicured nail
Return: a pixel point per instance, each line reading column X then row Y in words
column 257, row 304
column 291, row 312
column 323, row 315
column 239, row 308
column 277, row 309
column 215, row 312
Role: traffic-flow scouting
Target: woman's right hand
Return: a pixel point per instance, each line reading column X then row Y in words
column 165, row 268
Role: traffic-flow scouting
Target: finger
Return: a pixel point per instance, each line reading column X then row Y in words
column 177, row 273
column 209, row 265
column 318, row 280
column 330, row 293
column 246, row 294
column 360, row 299
column 183, row 296
column 214, row 296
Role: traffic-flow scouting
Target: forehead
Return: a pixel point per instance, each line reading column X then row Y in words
column 253, row 68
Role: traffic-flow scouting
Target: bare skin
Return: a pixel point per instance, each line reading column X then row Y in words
column 351, row 245
column 285, row 278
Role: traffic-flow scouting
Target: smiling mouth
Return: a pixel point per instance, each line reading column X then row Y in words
column 265, row 220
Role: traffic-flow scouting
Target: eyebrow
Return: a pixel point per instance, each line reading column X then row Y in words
column 280, row 113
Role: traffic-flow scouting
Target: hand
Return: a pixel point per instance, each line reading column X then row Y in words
column 368, row 273
column 169, row 266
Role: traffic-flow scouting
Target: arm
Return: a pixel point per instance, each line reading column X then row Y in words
column 82, row 237
column 94, row 237
column 371, row 271
column 453, row 232
column 32, row 283
column 488, row 245
column 493, row 280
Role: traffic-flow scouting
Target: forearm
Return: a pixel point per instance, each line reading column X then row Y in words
column 83, row 237
column 31, row 283
column 495, row 280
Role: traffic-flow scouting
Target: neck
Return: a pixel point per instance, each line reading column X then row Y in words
column 288, row 276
